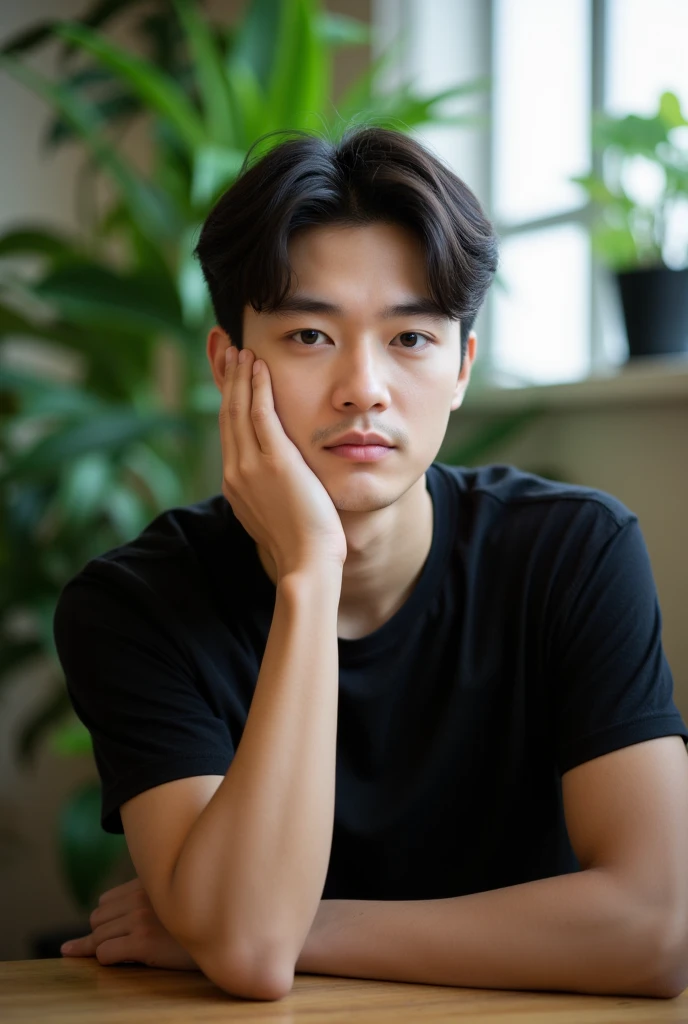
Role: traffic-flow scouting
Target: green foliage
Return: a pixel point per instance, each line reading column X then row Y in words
column 87, row 462
column 625, row 233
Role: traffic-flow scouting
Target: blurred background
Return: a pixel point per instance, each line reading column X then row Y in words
column 124, row 120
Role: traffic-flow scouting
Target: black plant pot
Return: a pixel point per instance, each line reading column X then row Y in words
column 655, row 307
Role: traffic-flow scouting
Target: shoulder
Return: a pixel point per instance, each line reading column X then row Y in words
column 504, row 493
column 171, row 559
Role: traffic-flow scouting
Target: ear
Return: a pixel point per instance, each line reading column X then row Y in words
column 465, row 375
column 216, row 346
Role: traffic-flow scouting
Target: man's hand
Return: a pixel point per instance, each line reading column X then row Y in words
column 273, row 492
column 126, row 929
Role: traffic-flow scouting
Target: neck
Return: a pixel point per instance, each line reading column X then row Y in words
column 386, row 551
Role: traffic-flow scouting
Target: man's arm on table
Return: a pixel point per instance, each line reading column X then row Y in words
column 619, row 926
column 234, row 866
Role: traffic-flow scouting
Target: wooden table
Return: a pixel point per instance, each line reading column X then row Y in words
column 66, row 991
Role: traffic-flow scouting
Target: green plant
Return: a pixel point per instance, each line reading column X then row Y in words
column 86, row 461
column 626, row 232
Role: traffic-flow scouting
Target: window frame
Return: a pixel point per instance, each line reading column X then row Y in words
column 390, row 17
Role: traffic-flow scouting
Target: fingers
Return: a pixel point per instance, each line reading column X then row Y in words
column 116, row 951
column 85, row 946
column 121, row 890
column 89, row 945
column 239, row 432
column 265, row 421
column 111, row 909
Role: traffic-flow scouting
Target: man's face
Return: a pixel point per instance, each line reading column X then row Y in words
column 341, row 359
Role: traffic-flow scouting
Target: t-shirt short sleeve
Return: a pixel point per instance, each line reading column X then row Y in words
column 609, row 675
column 135, row 690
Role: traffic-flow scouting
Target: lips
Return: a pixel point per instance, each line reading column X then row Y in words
column 362, row 440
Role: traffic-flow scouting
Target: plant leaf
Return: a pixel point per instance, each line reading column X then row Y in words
column 210, row 74
column 37, row 241
column 191, row 285
column 257, row 38
column 410, row 108
column 359, row 95
column 156, row 475
column 30, row 37
column 148, row 206
column 92, row 295
column 84, row 488
column 101, row 12
column 631, row 134
column 248, row 101
column 300, row 82
column 340, row 30
column 670, row 110
column 43, row 396
column 118, row 107
column 127, row 512
column 13, row 323
column 111, row 431
column 112, row 358
column 158, row 91
column 215, row 168
column 72, row 740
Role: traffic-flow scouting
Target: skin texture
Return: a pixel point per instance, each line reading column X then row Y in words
column 360, row 376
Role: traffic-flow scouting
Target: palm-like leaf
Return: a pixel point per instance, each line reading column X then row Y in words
column 156, row 90
column 147, row 205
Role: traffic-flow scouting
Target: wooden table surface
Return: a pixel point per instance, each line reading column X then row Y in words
column 67, row 991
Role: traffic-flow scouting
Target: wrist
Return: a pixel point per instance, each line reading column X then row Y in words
column 311, row 570
column 323, row 577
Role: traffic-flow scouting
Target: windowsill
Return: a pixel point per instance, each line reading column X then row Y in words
column 645, row 381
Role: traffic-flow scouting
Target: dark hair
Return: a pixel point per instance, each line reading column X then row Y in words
column 371, row 174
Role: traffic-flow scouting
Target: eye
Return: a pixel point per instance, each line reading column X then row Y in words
column 411, row 337
column 309, row 336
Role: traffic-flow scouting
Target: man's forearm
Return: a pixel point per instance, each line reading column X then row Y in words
column 573, row 933
column 251, row 872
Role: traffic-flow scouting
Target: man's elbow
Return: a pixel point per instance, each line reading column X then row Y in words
column 676, row 968
column 246, row 968
column 669, row 953
column 250, row 974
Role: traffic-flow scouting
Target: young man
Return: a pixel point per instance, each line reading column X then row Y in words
column 363, row 713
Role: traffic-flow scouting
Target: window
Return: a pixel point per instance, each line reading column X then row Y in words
column 558, row 317
column 541, row 136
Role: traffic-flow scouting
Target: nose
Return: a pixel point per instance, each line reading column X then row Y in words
column 360, row 379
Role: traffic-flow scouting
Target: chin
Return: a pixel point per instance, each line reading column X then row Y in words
column 360, row 496
column 362, row 504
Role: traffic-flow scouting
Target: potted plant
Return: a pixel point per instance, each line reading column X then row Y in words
column 86, row 463
column 631, row 234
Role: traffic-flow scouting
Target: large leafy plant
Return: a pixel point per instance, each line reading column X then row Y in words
column 629, row 231
column 86, row 461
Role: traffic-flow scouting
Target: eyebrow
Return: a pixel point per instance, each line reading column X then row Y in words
column 425, row 307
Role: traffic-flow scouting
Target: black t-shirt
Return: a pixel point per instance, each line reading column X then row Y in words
column 530, row 644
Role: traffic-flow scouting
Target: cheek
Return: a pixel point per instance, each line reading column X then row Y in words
column 429, row 395
column 292, row 401
column 427, row 407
